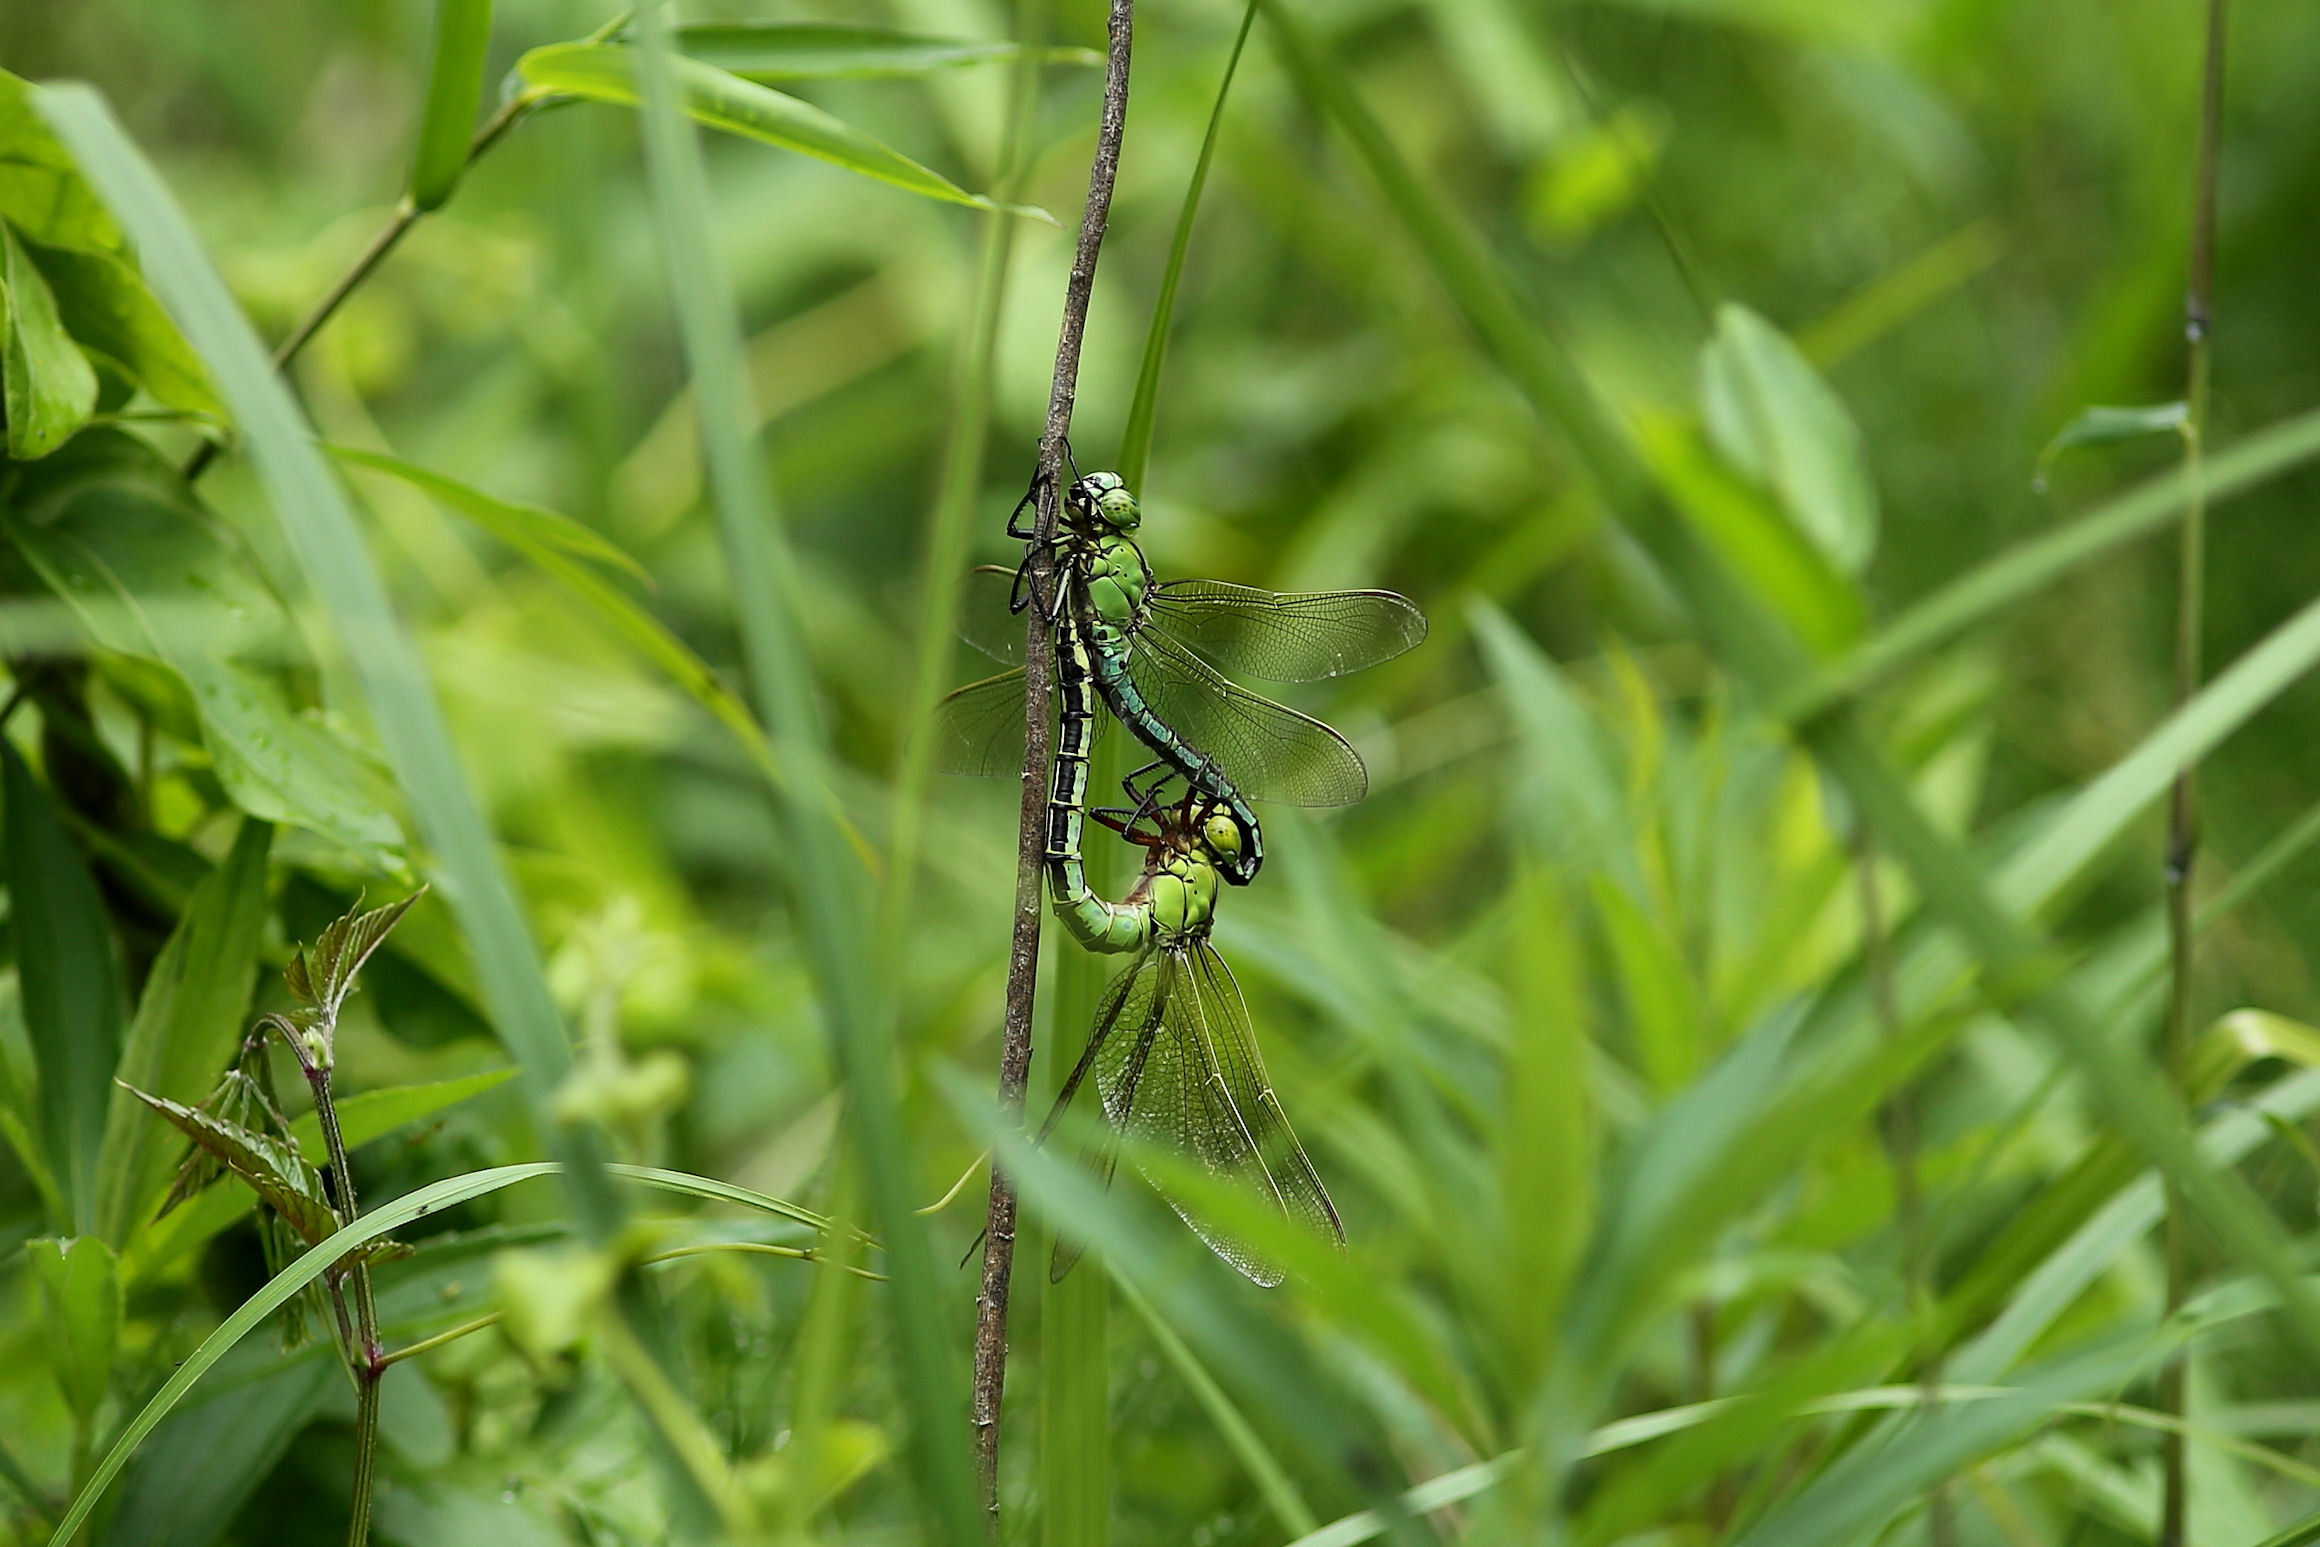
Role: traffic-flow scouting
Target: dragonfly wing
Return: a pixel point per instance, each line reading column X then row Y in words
column 979, row 728
column 1173, row 1088
column 986, row 619
column 1232, row 1050
column 1299, row 636
column 1128, row 998
column 1271, row 751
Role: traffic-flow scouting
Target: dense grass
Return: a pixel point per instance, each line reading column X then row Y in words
column 1731, row 1027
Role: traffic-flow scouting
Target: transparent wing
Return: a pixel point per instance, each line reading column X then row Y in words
column 1287, row 637
column 1271, row 751
column 984, row 619
column 1187, row 1080
column 1128, row 998
column 978, row 729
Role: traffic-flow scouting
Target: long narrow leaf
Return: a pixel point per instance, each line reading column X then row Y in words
column 328, row 544
column 70, row 976
column 607, row 72
column 813, row 50
column 454, row 88
column 1136, row 438
column 832, row 892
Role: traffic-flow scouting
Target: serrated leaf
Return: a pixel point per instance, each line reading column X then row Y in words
column 278, row 1174
column 1772, row 416
column 811, row 50
column 718, row 99
column 70, row 978
column 47, row 385
column 80, row 1292
column 325, row 974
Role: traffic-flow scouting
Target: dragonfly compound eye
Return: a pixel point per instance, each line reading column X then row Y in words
column 1222, row 834
column 1104, row 498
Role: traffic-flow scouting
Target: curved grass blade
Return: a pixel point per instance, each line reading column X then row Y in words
column 832, row 885
column 606, row 72
column 309, row 1267
column 454, row 90
column 552, row 541
column 813, row 50
column 2030, row 567
column 1136, row 438
column 323, row 534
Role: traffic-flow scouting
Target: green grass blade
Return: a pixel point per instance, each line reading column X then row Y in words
column 329, row 547
column 188, row 1022
column 2032, row 566
column 812, row 50
column 552, row 542
column 454, row 90
column 1264, row 1469
column 375, row 1223
column 70, row 975
column 1136, row 439
column 607, row 72
column 831, row 885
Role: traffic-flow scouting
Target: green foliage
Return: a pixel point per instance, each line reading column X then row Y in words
column 1692, row 366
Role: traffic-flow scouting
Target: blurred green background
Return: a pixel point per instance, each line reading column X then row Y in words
column 1971, row 218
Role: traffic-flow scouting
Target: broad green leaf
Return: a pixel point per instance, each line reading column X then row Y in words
column 285, row 1180
column 369, row 1115
column 1136, row 438
column 188, row 1022
column 198, row 1469
column 317, row 1260
column 1770, row 415
column 812, row 50
column 107, row 308
column 606, row 72
column 454, row 88
column 42, row 193
column 151, row 574
column 71, row 982
column 1772, row 554
column 20, row 1099
column 47, row 386
column 551, row 541
column 80, row 1291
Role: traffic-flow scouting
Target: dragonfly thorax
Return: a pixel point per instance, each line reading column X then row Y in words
column 1182, row 891
column 1113, row 581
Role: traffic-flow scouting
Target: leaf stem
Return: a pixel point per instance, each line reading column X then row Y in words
column 374, row 253
column 2183, row 797
column 368, row 1357
column 990, row 1377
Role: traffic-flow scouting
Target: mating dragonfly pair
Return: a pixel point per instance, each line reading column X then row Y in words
column 1175, row 1062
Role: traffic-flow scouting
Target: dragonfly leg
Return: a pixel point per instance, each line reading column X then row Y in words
column 1148, row 797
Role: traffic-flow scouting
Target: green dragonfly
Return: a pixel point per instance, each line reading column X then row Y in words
column 1154, row 653
column 1174, row 1059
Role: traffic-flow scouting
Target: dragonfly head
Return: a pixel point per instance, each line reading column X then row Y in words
column 1100, row 502
column 1222, row 836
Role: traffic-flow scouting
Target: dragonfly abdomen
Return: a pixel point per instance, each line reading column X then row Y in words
column 1095, row 923
column 1109, row 667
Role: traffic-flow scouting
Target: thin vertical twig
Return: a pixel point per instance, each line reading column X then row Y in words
column 990, row 1377
column 2183, row 797
column 367, row 1354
